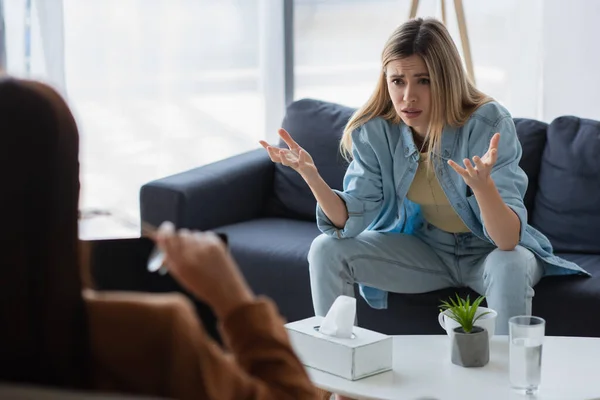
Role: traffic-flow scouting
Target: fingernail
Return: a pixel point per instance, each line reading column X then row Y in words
column 184, row 232
column 166, row 228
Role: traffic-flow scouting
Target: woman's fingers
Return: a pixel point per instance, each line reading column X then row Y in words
column 274, row 154
column 460, row 170
column 184, row 247
column 303, row 157
column 494, row 141
column 490, row 157
column 470, row 169
column 287, row 138
column 493, row 157
column 282, row 156
column 294, row 157
column 479, row 164
column 288, row 158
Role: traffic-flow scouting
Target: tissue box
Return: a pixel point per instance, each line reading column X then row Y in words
column 366, row 353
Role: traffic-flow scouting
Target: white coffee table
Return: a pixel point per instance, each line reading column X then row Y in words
column 423, row 370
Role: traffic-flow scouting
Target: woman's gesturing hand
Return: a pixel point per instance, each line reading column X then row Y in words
column 294, row 156
column 478, row 176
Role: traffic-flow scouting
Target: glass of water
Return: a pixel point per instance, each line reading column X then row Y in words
column 526, row 340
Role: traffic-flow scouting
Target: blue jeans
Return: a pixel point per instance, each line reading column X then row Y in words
column 428, row 260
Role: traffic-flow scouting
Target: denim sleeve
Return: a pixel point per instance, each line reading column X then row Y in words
column 509, row 178
column 363, row 192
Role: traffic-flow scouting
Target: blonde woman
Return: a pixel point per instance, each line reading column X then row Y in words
column 433, row 196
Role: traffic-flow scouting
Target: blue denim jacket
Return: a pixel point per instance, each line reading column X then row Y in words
column 384, row 164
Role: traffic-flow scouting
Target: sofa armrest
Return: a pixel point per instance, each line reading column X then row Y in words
column 225, row 192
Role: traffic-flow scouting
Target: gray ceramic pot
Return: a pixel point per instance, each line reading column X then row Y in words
column 470, row 349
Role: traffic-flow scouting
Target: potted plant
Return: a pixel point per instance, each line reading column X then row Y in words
column 470, row 344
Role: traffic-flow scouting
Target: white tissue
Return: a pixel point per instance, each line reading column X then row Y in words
column 340, row 318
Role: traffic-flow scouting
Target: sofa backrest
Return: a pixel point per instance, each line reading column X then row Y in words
column 567, row 202
column 317, row 126
column 532, row 135
column 561, row 161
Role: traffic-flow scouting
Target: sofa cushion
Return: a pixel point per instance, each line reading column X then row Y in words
column 567, row 303
column 317, row 126
column 272, row 254
column 567, row 201
column 532, row 135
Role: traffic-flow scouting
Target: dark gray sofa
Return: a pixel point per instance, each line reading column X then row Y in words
column 268, row 213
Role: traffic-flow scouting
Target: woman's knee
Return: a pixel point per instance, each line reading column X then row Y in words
column 323, row 248
column 509, row 266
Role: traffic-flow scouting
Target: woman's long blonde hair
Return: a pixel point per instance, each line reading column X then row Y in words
column 453, row 95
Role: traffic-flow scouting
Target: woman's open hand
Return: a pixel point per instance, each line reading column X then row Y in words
column 477, row 176
column 294, row 156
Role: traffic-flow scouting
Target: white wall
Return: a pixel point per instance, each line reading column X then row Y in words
column 571, row 63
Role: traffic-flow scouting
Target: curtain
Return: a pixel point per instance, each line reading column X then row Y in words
column 2, row 38
column 32, row 40
column 51, row 26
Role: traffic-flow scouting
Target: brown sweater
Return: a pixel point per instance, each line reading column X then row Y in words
column 155, row 345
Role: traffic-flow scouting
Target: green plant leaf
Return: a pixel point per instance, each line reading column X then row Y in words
column 462, row 311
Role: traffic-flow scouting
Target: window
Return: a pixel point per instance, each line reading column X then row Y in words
column 157, row 86
column 338, row 46
column 162, row 86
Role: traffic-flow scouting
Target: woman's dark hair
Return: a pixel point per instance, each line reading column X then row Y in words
column 44, row 336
